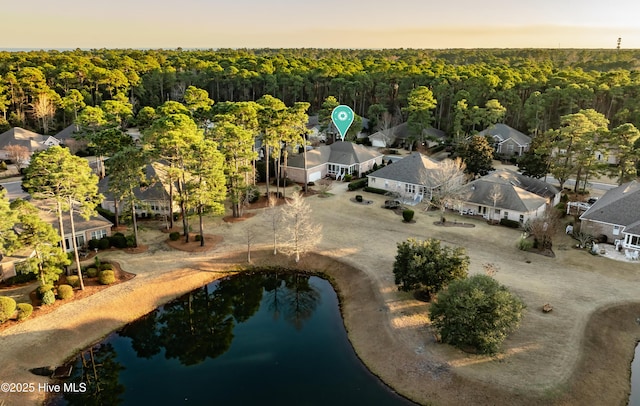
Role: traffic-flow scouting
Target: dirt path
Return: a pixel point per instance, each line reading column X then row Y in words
column 553, row 358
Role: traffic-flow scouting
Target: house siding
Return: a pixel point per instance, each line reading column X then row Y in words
column 596, row 228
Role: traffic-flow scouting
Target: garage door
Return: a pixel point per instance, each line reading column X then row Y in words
column 314, row 176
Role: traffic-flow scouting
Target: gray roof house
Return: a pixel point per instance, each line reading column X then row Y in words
column 617, row 215
column 398, row 135
column 34, row 142
column 508, row 194
column 508, row 141
column 154, row 198
column 335, row 160
column 412, row 178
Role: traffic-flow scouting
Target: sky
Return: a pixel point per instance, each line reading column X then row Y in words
column 374, row 24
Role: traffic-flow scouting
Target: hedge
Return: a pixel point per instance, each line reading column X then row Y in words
column 65, row 292
column 24, row 311
column 118, row 240
column 73, row 280
column 48, row 298
column 42, row 289
column 407, row 215
column 375, row 190
column 509, row 223
column 174, row 236
column 357, row 184
column 7, row 308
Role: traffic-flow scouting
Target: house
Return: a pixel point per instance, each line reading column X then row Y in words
column 506, row 194
column 412, row 177
column 331, row 133
column 507, row 140
column 335, row 160
column 153, row 198
column 95, row 227
column 10, row 264
column 399, row 135
column 34, row 142
column 68, row 138
column 616, row 214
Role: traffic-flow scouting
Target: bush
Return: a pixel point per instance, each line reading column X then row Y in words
column 375, row 190
column 91, row 272
column 7, row 308
column 93, row 243
column 24, row 311
column 65, row 292
column 131, row 241
column 428, row 266
column 118, row 240
column 524, row 244
column 104, row 243
column 42, row 289
column 509, row 223
column 357, row 184
column 174, row 236
column 348, row 177
column 48, row 298
column 197, row 237
column 407, row 215
column 107, row 277
column 106, row 267
column 3, row 166
column 476, row 313
column 73, row 280
column 358, row 198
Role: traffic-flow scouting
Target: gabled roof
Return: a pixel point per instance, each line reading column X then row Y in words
column 401, row 131
column 94, row 222
column 502, row 132
column 156, row 189
column 507, row 196
column 20, row 136
column 527, row 183
column 416, row 169
column 341, row 153
column 620, row 206
column 67, row 133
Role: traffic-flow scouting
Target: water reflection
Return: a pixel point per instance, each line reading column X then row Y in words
column 263, row 329
column 634, row 398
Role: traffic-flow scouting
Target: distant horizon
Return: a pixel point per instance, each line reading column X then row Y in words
column 334, row 24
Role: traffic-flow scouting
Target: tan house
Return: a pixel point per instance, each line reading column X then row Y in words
column 9, row 263
column 507, row 141
column 617, row 215
column 335, row 160
column 34, row 142
column 95, row 227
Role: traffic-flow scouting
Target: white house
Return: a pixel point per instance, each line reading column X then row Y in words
column 508, row 141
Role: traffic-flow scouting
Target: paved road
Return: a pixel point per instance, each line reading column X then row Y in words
column 590, row 185
column 14, row 189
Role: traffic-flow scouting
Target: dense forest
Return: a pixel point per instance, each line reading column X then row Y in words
column 45, row 90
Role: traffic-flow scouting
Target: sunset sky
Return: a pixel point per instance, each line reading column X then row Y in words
column 322, row 24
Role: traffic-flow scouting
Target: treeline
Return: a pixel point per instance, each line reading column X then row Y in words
column 44, row 90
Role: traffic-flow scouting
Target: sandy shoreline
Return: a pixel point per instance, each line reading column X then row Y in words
column 578, row 354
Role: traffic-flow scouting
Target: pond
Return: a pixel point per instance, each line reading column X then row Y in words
column 260, row 338
column 634, row 398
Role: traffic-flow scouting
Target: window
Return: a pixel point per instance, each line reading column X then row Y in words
column 506, row 215
column 616, row 230
column 498, row 211
column 510, row 148
column 410, row 188
column 98, row 234
column 521, row 218
column 373, row 180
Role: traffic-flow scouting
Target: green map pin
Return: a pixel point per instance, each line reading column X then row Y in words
column 342, row 117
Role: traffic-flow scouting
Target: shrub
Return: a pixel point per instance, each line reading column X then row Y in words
column 509, row 223
column 375, row 190
column 65, row 292
column 93, row 243
column 42, row 289
column 7, row 308
column 107, row 277
column 197, row 237
column 118, row 240
column 104, row 243
column 73, row 280
column 106, row 267
column 3, row 166
column 428, row 266
column 91, row 272
column 131, row 241
column 358, row 198
column 348, row 177
column 24, row 311
column 407, row 215
column 174, row 236
column 461, row 317
column 357, row 184
column 48, row 298
column 524, row 244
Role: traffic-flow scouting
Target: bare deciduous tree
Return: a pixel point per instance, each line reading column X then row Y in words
column 451, row 178
column 19, row 154
column 495, row 195
column 324, row 186
column 302, row 234
column 44, row 108
column 543, row 228
column 275, row 215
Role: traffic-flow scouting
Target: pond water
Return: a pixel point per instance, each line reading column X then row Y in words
column 260, row 338
column 634, row 399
